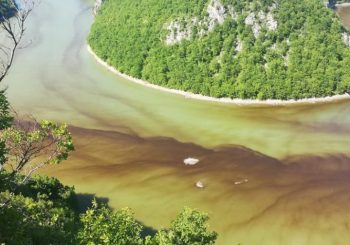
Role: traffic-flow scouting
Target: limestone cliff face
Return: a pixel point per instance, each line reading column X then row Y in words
column 182, row 28
column 346, row 38
column 97, row 6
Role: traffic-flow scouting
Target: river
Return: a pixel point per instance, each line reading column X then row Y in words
column 131, row 141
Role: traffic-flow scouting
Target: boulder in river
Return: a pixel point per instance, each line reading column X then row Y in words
column 200, row 184
column 191, row 161
column 242, row 181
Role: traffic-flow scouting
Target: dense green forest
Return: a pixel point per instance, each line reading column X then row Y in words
column 263, row 49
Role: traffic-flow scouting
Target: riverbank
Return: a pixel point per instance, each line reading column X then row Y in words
column 190, row 95
column 342, row 5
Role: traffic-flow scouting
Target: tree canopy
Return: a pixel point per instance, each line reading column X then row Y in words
column 260, row 49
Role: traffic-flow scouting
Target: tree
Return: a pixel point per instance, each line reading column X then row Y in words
column 227, row 60
column 5, row 122
column 100, row 225
column 189, row 228
column 41, row 212
column 13, row 16
column 13, row 26
column 31, row 145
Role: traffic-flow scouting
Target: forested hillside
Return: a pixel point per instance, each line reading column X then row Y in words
column 262, row 49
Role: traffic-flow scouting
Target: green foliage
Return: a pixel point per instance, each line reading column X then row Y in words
column 189, row 228
column 42, row 212
column 37, row 210
column 50, row 189
column 5, row 116
column 5, row 122
column 103, row 226
column 304, row 57
column 31, row 145
column 41, row 224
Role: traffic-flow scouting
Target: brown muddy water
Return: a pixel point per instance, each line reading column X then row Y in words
column 292, row 161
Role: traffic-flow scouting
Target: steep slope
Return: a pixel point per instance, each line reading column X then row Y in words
column 264, row 49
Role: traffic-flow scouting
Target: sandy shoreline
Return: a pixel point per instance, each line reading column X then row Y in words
column 190, row 95
column 342, row 5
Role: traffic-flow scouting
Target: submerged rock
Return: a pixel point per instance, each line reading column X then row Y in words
column 243, row 181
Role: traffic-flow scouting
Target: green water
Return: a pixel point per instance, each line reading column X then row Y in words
column 56, row 78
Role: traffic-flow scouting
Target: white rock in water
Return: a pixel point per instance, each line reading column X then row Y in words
column 191, row 161
column 200, row 184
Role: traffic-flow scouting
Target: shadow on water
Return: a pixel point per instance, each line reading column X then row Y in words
column 84, row 201
column 147, row 231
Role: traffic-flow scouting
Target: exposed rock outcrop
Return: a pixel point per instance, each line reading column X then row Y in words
column 216, row 12
column 239, row 46
column 346, row 38
column 179, row 30
column 182, row 29
column 97, row 6
column 261, row 19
